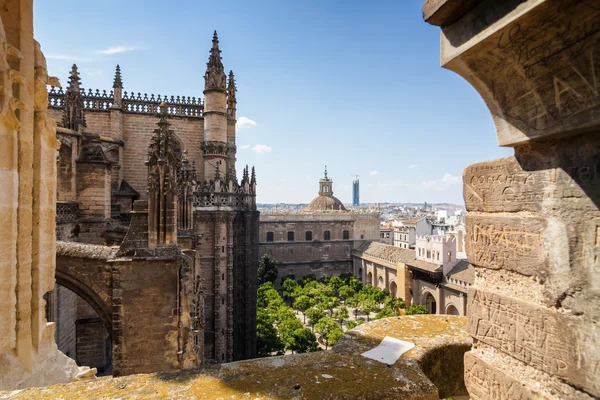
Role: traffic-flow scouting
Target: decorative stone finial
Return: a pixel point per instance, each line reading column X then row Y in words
column 215, row 75
column 73, row 115
column 253, row 177
column 118, row 83
column 231, row 98
column 326, row 172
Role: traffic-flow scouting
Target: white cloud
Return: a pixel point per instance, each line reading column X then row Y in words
column 451, row 179
column 244, row 122
column 262, row 148
column 116, row 50
column 412, row 166
column 244, row 147
column 66, row 57
column 373, row 173
column 442, row 184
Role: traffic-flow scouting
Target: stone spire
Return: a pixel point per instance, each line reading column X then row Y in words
column 118, row 83
column 253, row 177
column 73, row 113
column 215, row 75
column 245, row 176
column 231, row 99
column 326, row 178
column 163, row 165
column 117, row 88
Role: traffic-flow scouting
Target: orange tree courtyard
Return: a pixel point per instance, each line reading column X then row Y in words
column 288, row 321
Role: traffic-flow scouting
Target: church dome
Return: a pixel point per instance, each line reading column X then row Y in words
column 326, row 201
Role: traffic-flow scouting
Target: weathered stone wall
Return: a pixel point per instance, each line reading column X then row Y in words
column 145, row 332
column 65, row 315
column 534, row 220
column 317, row 256
column 28, row 354
column 137, row 131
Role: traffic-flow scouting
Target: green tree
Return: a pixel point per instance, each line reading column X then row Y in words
column 282, row 314
column 346, row 292
column 329, row 330
column 341, row 314
column 353, row 302
column 291, row 288
column 260, row 293
column 351, row 325
column 335, row 283
column 394, row 303
column 355, row 284
column 385, row 312
column 416, row 309
column 286, row 329
column 267, row 340
column 308, row 278
column 303, row 303
column 302, row 341
column 368, row 306
column 267, row 269
column 314, row 315
column 329, row 303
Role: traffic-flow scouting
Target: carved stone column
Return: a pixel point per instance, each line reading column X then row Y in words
column 533, row 229
column 28, row 354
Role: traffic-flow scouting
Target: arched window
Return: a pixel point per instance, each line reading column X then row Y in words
column 370, row 278
column 451, row 310
column 380, row 282
column 430, row 303
column 393, row 289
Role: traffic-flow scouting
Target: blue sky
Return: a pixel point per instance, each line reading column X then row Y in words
column 355, row 85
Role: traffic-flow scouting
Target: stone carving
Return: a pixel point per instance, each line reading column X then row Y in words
column 543, row 338
column 533, row 218
column 215, row 76
column 163, row 165
column 73, row 113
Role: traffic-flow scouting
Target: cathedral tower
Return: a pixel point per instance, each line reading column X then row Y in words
column 215, row 146
column 226, row 218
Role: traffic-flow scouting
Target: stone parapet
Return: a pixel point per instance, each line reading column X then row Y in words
column 341, row 373
column 534, row 219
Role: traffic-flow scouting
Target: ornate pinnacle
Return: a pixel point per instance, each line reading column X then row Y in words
column 218, row 170
column 253, row 179
column 326, row 172
column 215, row 75
column 163, row 112
column 231, row 88
column 246, row 178
column 74, row 80
column 231, row 100
column 73, row 113
column 118, row 83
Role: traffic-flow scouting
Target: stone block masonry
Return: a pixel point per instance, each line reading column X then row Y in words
column 534, row 219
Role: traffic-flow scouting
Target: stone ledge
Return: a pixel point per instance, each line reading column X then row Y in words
column 341, row 373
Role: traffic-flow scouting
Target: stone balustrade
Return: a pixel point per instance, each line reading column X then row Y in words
column 433, row 369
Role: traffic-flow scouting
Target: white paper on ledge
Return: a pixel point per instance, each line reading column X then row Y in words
column 389, row 350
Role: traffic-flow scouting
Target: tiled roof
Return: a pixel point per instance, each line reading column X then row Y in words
column 463, row 271
column 426, row 266
column 386, row 252
column 412, row 220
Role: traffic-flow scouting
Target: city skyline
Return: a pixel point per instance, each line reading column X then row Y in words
column 316, row 85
